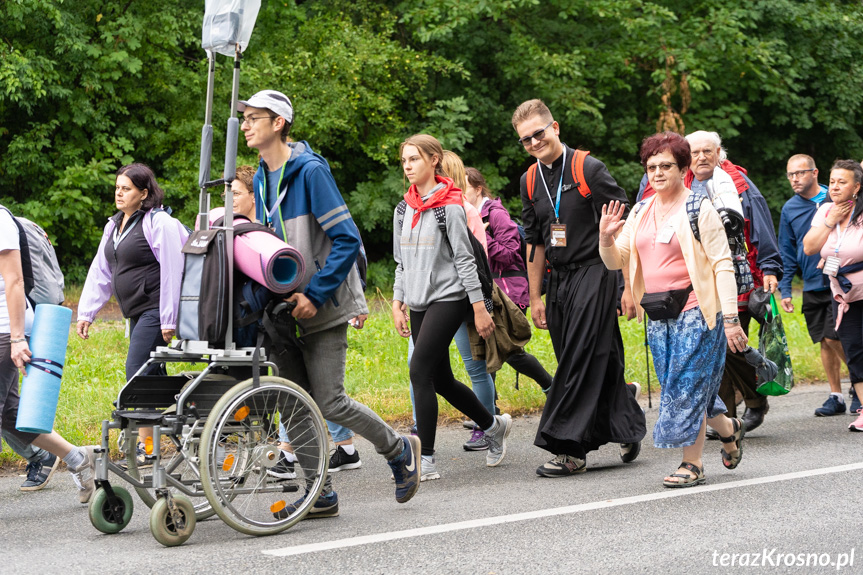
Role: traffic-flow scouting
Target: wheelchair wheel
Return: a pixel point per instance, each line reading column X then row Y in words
column 106, row 519
column 165, row 530
column 239, row 447
column 181, row 463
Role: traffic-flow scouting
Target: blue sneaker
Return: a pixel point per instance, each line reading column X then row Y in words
column 855, row 403
column 326, row 506
column 40, row 472
column 406, row 469
column 831, row 407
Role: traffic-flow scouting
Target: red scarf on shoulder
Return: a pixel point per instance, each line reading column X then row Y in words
column 449, row 194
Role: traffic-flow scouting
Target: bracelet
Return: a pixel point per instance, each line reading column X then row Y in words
column 22, row 340
column 828, row 225
column 732, row 319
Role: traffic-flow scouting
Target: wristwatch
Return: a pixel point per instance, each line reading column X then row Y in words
column 732, row 319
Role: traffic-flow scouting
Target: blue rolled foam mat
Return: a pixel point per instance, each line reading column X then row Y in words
column 40, row 390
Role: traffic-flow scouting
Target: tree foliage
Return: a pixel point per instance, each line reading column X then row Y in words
column 86, row 86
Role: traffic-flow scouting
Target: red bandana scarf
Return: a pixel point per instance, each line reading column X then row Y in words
column 449, row 194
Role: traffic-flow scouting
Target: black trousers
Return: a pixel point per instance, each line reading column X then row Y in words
column 740, row 376
column 431, row 373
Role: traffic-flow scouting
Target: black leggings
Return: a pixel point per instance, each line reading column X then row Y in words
column 431, row 373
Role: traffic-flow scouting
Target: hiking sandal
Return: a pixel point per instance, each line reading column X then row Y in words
column 732, row 460
column 688, row 480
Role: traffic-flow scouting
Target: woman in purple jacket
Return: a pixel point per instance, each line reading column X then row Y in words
column 140, row 261
column 507, row 264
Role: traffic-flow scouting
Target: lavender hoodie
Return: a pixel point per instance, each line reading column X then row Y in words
column 504, row 255
column 166, row 237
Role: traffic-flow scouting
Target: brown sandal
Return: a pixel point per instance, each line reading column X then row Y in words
column 732, row 460
column 688, row 480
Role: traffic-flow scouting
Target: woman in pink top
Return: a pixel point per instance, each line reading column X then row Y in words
column 837, row 232
column 687, row 337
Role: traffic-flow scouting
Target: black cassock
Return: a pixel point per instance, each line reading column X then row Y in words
column 588, row 404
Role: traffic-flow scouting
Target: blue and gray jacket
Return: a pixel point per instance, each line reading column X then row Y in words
column 309, row 213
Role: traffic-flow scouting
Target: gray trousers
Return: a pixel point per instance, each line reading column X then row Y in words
column 319, row 368
column 9, row 397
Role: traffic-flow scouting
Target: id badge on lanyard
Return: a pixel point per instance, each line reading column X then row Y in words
column 831, row 263
column 558, row 230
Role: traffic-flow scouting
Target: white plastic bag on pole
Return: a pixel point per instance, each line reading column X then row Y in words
column 228, row 24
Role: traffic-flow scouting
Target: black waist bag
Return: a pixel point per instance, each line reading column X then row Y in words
column 665, row 304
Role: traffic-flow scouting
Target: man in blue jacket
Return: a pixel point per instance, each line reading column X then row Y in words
column 796, row 220
column 296, row 195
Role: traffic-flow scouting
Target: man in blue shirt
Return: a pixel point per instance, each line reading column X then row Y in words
column 797, row 214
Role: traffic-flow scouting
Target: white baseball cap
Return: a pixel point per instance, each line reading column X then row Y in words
column 271, row 100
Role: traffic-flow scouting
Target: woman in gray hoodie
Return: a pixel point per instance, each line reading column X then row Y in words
column 436, row 277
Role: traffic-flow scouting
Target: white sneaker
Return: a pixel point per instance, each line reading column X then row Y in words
column 84, row 476
column 428, row 468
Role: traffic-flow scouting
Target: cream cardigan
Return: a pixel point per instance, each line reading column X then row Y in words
column 708, row 261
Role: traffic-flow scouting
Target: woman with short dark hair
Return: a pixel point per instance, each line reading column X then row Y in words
column 140, row 261
column 688, row 290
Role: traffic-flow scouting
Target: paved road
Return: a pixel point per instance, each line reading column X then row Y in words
column 797, row 491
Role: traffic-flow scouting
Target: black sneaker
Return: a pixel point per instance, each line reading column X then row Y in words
column 40, row 472
column 561, row 466
column 326, row 506
column 341, row 461
column 284, row 469
column 855, row 403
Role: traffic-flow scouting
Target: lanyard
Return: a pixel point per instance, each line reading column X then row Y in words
column 841, row 237
column 277, row 207
column 556, row 204
column 118, row 237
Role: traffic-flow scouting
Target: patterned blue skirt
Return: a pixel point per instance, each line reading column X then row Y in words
column 689, row 359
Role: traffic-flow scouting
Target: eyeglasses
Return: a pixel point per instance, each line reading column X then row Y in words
column 798, row 173
column 252, row 119
column 539, row 136
column 663, row 167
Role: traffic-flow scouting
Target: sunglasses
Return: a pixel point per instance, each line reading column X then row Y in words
column 539, row 136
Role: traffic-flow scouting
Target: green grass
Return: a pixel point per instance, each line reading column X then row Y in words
column 377, row 371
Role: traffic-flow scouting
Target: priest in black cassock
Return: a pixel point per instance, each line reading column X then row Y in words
column 562, row 195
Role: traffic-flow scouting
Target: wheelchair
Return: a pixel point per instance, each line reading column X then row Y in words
column 215, row 444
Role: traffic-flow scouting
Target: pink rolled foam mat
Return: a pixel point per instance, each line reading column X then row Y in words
column 264, row 257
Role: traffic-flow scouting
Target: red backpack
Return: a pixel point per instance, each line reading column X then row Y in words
column 577, row 167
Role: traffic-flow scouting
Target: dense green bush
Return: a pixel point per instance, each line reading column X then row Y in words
column 88, row 86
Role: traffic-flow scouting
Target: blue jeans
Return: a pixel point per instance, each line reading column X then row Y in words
column 480, row 379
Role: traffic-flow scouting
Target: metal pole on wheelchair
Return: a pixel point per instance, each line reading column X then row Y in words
column 231, row 135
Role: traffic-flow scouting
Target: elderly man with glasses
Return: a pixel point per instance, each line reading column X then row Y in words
column 797, row 214
column 589, row 403
column 762, row 253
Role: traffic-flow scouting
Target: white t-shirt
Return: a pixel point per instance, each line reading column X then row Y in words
column 9, row 241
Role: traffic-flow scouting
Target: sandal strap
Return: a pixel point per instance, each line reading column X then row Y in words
column 691, row 467
column 737, row 426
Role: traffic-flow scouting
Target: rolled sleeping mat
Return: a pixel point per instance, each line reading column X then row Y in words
column 41, row 387
column 265, row 258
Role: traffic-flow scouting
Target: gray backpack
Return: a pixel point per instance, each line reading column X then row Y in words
column 43, row 280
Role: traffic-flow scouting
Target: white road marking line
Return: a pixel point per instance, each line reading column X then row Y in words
column 543, row 513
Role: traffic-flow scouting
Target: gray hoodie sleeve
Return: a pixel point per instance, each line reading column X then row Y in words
column 398, row 288
column 457, row 232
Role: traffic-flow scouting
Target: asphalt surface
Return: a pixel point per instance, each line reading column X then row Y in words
column 615, row 518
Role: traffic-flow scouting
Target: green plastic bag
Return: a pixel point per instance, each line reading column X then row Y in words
column 774, row 346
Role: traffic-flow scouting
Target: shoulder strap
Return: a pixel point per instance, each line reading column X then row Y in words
column 578, row 174
column 401, row 208
column 638, row 206
column 531, row 180
column 693, row 210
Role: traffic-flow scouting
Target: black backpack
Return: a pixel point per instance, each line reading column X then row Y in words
column 203, row 313
column 483, row 269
